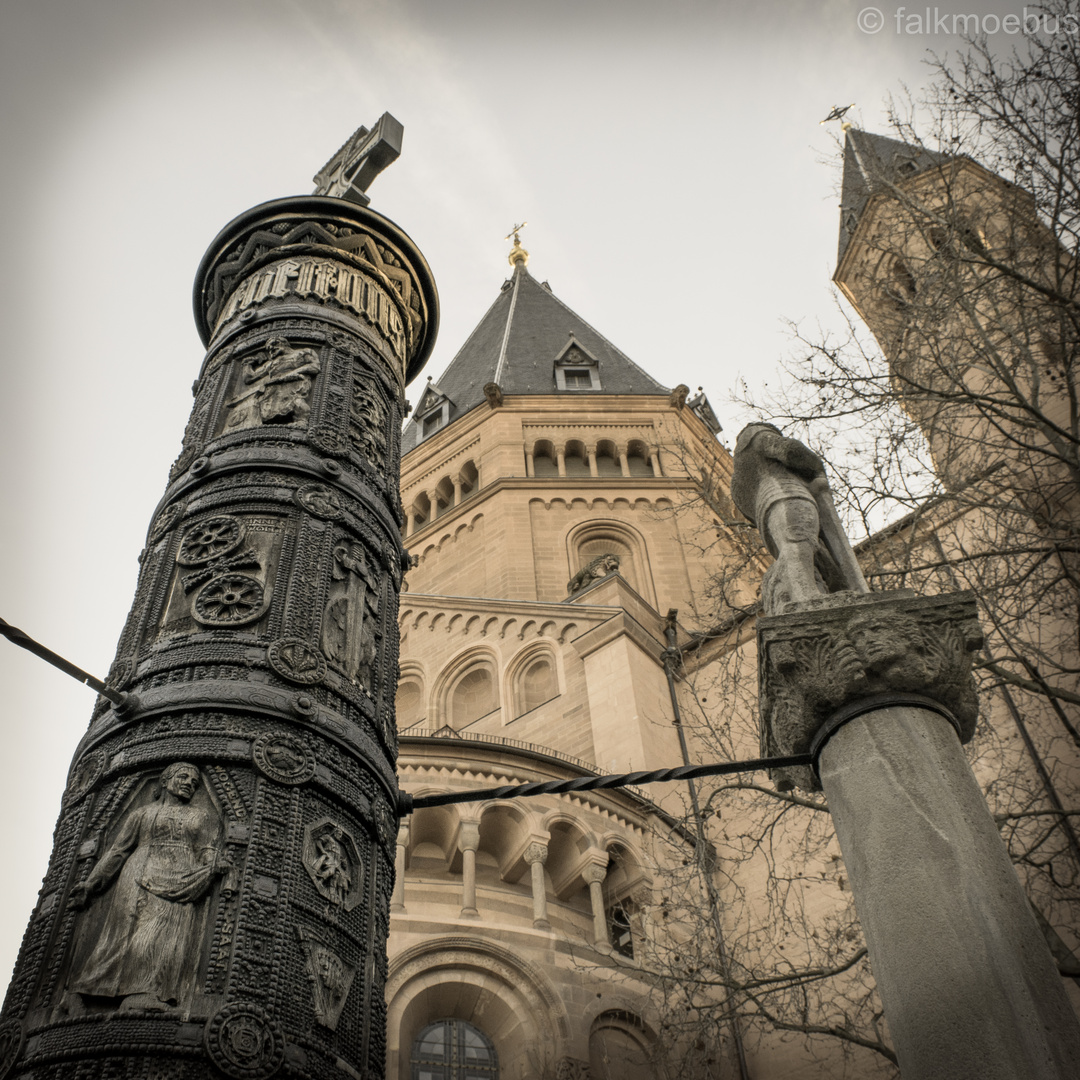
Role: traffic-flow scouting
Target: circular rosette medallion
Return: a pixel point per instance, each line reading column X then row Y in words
column 283, row 758
column 328, row 440
column 11, row 1044
column 229, row 600
column 86, row 773
column 243, row 1043
column 294, row 659
column 320, row 500
column 211, row 539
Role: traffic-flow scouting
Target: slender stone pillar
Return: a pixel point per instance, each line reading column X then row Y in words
column 397, row 898
column 469, row 841
column 217, row 900
column 967, row 981
column 536, row 856
column 594, row 875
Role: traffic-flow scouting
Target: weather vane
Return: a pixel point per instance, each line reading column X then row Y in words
column 517, row 254
column 838, row 114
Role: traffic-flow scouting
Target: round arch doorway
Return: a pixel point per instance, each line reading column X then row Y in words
column 453, row 1050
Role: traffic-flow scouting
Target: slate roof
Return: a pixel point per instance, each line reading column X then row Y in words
column 869, row 160
column 516, row 344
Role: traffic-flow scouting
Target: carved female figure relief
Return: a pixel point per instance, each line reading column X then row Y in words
column 278, row 385
column 163, row 862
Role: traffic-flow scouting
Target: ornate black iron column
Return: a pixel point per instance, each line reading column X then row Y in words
column 218, row 897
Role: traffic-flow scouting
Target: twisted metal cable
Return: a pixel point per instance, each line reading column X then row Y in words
column 408, row 803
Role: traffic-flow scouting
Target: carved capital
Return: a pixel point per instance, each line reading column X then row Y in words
column 833, row 652
column 469, row 836
column 536, row 853
column 594, row 872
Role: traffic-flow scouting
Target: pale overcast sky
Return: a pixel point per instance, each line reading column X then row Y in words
column 668, row 158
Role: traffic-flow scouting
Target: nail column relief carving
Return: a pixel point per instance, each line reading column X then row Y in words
column 246, row 675
column 836, row 650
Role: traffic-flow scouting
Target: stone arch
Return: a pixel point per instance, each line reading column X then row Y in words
column 532, row 678
column 607, row 459
column 479, row 982
column 620, row 1046
column 467, row 689
column 588, row 539
column 410, row 704
column 544, row 463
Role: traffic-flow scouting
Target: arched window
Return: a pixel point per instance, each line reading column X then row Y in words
column 544, row 463
column 638, row 459
column 576, row 465
column 607, row 460
column 453, row 1050
column 474, row 695
column 409, row 704
column 534, row 684
column 619, row 1047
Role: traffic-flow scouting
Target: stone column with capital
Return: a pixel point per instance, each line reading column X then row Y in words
column 217, row 903
column 469, row 843
column 594, row 875
column 878, row 686
column 536, row 856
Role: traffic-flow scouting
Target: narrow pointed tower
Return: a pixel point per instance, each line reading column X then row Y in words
column 538, row 475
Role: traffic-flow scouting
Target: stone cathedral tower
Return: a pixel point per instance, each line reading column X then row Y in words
column 538, row 477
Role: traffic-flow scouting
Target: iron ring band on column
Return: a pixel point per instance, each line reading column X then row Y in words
column 871, row 704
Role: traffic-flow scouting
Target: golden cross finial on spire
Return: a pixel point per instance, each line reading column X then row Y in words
column 517, row 254
column 837, row 113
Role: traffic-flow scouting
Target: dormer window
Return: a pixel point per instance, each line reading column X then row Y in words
column 433, row 412
column 576, row 368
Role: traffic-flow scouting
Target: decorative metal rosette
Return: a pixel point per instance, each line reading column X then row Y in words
column 328, row 440
column 294, row 659
column 12, row 1037
column 86, row 773
column 320, row 500
column 210, row 539
column 283, row 758
column 243, row 1043
column 230, row 600
column 165, row 521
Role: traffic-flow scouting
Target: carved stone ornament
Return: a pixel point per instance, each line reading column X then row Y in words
column 210, row 539
column 333, row 862
column 294, row 659
column 569, row 1068
column 283, row 758
column 330, row 977
column 595, row 570
column 12, row 1037
column 86, row 773
column 320, row 500
column 536, row 853
column 243, row 1043
column 834, row 651
column 230, row 600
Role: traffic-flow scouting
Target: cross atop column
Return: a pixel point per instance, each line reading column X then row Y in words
column 349, row 173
